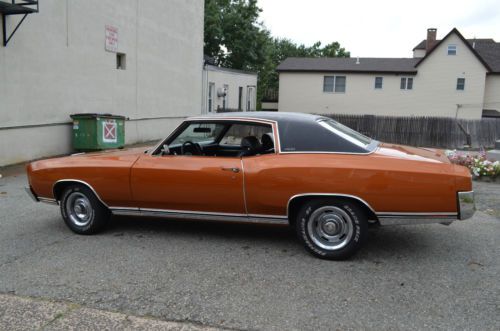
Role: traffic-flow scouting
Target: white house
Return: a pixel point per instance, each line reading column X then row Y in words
column 227, row 89
column 140, row 59
column 452, row 77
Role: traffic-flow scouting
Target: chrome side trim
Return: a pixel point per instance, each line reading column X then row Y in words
column 416, row 219
column 466, row 205
column 80, row 182
column 48, row 200
column 31, row 194
column 327, row 195
column 432, row 214
column 206, row 216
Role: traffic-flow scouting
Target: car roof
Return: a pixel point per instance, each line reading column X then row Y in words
column 280, row 117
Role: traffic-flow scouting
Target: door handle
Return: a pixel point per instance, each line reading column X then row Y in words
column 235, row 170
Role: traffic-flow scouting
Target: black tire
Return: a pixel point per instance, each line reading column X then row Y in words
column 332, row 229
column 82, row 211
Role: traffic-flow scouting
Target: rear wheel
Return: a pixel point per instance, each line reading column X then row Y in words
column 82, row 212
column 332, row 229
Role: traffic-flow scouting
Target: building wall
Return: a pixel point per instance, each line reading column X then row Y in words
column 434, row 89
column 492, row 92
column 56, row 65
column 234, row 80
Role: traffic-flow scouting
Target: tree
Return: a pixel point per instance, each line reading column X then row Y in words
column 236, row 39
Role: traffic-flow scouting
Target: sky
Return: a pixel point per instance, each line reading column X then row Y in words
column 381, row 28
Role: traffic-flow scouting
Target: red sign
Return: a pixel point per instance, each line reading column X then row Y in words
column 109, row 131
column 111, row 39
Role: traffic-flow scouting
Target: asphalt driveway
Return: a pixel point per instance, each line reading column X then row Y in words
column 256, row 277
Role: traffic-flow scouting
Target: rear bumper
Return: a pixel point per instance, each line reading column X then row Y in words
column 466, row 205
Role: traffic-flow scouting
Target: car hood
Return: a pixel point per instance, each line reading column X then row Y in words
column 113, row 153
column 412, row 153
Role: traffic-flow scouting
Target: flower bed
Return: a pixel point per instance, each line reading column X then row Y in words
column 478, row 163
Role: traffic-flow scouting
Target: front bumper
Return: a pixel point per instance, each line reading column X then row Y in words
column 466, row 205
column 31, row 194
column 36, row 198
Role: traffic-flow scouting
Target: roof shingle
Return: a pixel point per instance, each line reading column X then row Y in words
column 360, row 65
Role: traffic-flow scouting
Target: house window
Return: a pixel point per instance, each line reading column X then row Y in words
column 460, row 84
column 452, row 49
column 225, row 97
column 406, row 83
column 211, row 93
column 121, row 61
column 378, row 82
column 334, row 84
column 240, row 98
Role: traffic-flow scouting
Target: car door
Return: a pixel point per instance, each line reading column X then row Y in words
column 189, row 183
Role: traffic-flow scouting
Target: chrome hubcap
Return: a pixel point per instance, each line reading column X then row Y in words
column 330, row 228
column 79, row 209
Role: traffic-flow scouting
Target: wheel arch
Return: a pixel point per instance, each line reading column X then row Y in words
column 296, row 201
column 59, row 187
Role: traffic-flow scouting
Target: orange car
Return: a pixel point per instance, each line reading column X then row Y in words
column 310, row 172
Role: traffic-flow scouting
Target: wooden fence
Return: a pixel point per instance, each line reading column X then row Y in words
column 425, row 131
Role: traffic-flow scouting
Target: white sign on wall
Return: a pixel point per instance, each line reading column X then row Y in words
column 111, row 39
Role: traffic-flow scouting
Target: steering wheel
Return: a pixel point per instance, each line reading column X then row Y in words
column 194, row 147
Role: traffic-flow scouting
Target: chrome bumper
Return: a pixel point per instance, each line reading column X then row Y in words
column 36, row 198
column 466, row 205
column 31, row 194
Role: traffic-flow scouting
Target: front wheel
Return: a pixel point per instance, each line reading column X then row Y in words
column 82, row 212
column 331, row 229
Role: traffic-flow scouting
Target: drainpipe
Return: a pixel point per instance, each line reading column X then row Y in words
column 468, row 138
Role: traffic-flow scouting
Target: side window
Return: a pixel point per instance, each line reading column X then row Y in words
column 237, row 132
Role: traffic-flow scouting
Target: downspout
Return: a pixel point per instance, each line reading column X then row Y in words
column 468, row 139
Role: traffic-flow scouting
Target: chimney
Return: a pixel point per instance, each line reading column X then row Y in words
column 431, row 39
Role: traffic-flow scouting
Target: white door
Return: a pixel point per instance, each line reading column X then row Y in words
column 251, row 98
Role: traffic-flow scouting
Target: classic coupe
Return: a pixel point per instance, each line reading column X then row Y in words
column 323, row 179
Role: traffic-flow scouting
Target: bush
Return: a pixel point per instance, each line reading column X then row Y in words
column 478, row 165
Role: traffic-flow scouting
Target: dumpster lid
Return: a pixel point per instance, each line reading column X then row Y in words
column 95, row 115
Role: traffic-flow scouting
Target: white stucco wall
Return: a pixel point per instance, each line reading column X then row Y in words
column 234, row 80
column 434, row 89
column 492, row 92
column 56, row 65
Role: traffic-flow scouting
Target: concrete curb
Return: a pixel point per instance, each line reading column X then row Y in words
column 21, row 313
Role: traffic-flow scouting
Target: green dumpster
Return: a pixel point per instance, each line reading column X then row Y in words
column 98, row 131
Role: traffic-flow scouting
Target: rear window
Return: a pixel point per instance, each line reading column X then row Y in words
column 323, row 135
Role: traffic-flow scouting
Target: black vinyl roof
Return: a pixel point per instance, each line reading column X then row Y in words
column 298, row 132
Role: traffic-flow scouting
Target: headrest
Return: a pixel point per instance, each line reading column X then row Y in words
column 267, row 141
column 250, row 143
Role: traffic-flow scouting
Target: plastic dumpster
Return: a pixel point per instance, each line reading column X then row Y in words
column 98, row 131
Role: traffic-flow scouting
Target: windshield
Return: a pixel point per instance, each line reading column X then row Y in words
column 345, row 132
column 204, row 133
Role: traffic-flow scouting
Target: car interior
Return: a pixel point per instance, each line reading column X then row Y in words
column 238, row 139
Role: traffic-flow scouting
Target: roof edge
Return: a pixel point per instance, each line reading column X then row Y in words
column 455, row 31
column 413, row 72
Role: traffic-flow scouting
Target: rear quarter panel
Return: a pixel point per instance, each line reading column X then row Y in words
column 388, row 185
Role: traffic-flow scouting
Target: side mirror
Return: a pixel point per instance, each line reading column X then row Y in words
column 165, row 150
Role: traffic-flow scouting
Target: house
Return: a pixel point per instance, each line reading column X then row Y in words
column 226, row 89
column 140, row 59
column 452, row 77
